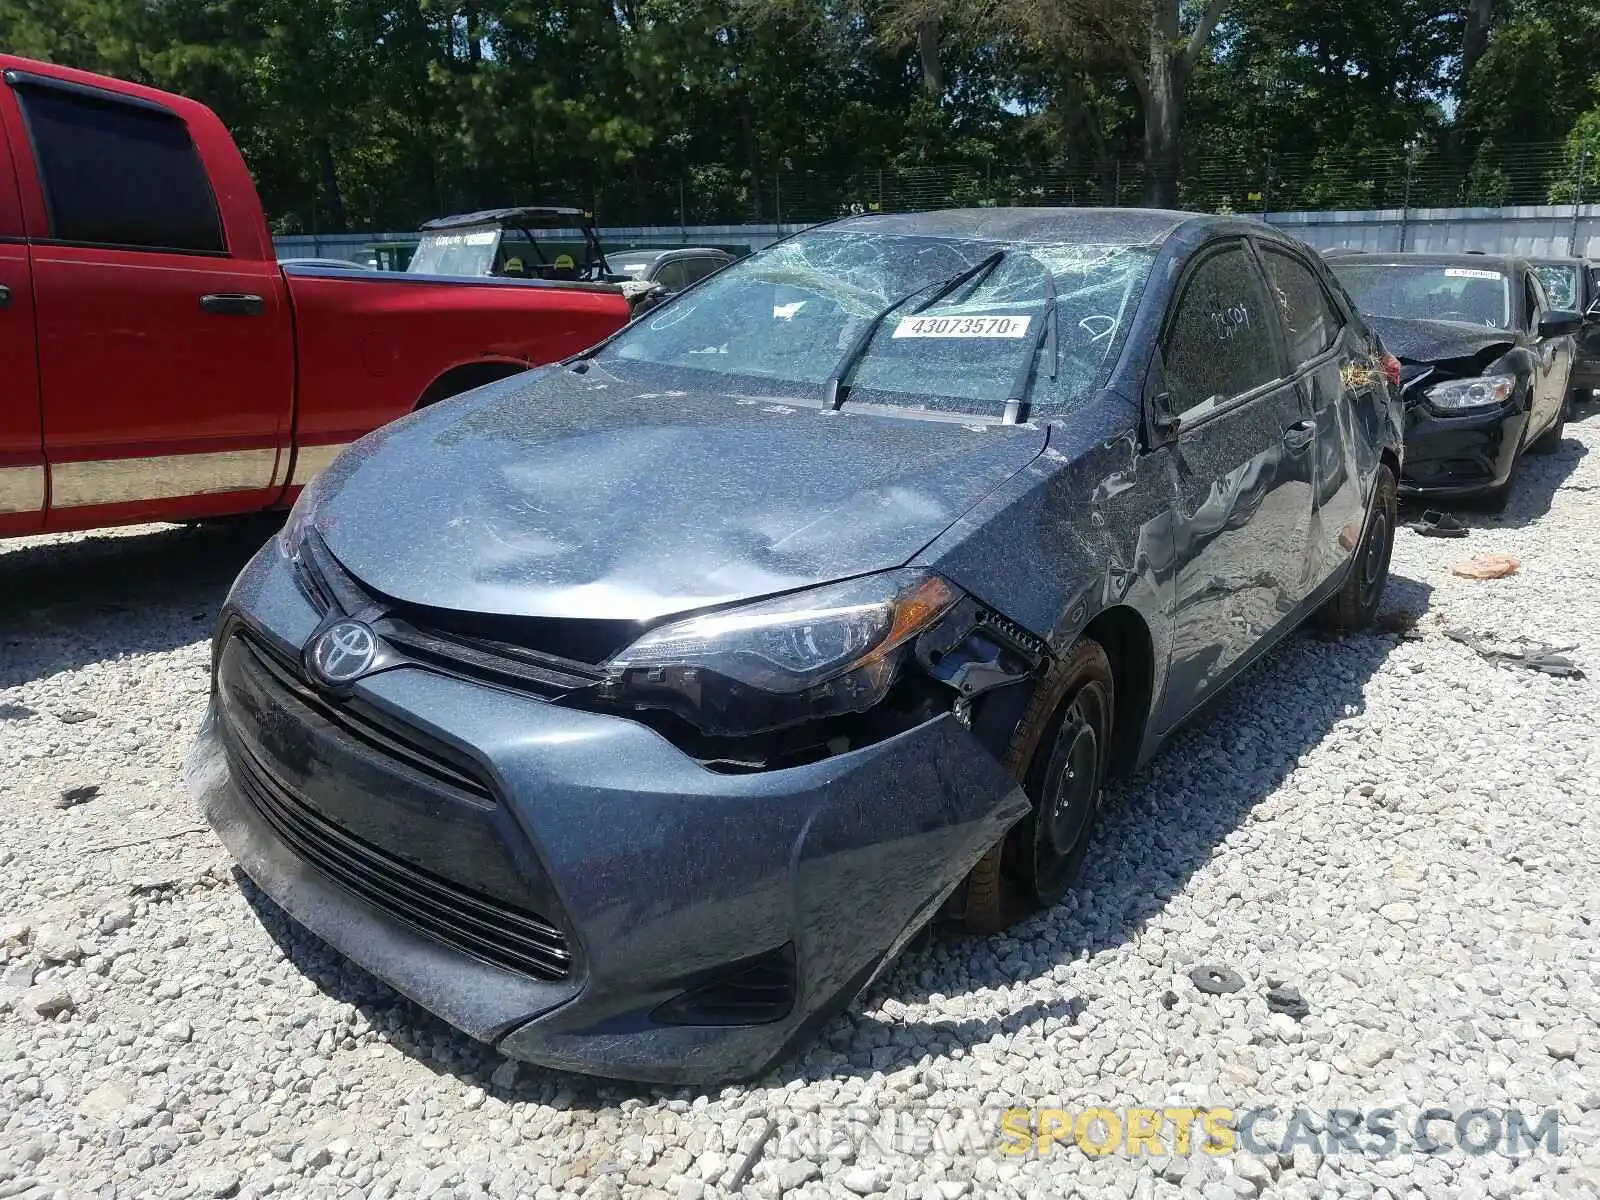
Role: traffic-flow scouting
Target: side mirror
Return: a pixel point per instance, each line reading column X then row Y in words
column 1559, row 322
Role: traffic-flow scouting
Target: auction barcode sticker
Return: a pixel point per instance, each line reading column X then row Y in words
column 1469, row 273
column 962, row 327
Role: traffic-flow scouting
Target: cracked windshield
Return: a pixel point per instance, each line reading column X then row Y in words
column 781, row 321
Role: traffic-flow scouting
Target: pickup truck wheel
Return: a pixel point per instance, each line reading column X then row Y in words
column 1353, row 607
column 1059, row 753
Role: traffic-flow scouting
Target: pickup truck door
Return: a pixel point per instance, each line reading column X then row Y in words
column 165, row 361
column 21, row 442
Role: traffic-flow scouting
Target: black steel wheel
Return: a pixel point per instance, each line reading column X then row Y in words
column 1059, row 753
column 1355, row 605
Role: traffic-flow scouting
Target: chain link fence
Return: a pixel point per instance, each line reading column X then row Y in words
column 1380, row 177
column 1375, row 179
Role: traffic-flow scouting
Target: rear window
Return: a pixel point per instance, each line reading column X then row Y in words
column 119, row 174
column 1428, row 291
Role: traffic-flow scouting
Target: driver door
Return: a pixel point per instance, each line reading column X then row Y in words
column 1238, row 472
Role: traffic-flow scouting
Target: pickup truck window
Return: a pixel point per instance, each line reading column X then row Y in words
column 118, row 174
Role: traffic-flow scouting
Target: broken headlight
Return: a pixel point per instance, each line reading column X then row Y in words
column 1461, row 395
column 812, row 654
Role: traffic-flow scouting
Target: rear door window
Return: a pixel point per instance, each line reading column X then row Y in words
column 119, row 174
column 1310, row 322
column 1221, row 341
column 698, row 268
column 671, row 275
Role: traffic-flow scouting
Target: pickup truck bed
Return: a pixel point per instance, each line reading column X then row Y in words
column 160, row 364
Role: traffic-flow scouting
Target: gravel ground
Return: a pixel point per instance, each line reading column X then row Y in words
column 1388, row 824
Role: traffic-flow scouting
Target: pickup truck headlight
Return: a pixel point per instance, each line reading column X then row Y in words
column 812, row 654
column 1460, row 395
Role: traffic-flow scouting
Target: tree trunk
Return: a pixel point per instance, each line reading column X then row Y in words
column 330, row 185
column 928, row 56
column 1475, row 37
column 1162, row 100
column 747, row 130
column 1474, row 40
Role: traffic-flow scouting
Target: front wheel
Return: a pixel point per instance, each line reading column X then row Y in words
column 1355, row 604
column 1550, row 440
column 1059, row 753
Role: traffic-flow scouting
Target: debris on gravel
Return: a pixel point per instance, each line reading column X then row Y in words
column 1286, row 999
column 1385, row 823
column 81, row 794
column 1216, row 981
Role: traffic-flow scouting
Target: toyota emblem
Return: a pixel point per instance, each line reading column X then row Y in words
column 342, row 652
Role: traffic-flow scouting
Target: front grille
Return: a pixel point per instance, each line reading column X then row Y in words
column 374, row 729
column 479, row 925
column 548, row 656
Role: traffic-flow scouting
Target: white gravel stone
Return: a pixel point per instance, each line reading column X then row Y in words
column 1401, row 831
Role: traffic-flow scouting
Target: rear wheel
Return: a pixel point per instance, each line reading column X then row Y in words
column 1059, row 753
column 1355, row 604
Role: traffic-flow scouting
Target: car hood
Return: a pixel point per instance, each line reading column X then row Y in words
column 559, row 495
column 1438, row 341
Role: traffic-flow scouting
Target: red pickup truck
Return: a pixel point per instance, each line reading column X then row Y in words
column 159, row 363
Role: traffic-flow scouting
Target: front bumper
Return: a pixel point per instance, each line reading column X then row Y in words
column 1459, row 456
column 653, row 875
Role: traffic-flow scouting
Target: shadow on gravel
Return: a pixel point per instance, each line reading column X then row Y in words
column 1539, row 478
column 82, row 602
column 1163, row 834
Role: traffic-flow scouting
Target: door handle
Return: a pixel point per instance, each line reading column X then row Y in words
column 233, row 304
column 5, row 296
column 1298, row 436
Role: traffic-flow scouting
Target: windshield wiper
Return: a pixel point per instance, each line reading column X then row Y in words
column 832, row 390
column 1016, row 398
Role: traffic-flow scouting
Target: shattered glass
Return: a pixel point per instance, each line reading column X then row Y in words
column 781, row 319
column 1560, row 284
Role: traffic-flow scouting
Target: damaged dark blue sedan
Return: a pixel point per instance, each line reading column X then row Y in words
column 633, row 714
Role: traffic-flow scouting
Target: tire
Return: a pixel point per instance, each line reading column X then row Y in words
column 1550, row 440
column 1353, row 607
column 1495, row 499
column 1060, row 748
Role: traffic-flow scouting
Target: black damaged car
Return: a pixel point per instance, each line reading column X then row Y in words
column 632, row 714
column 1575, row 283
column 1486, row 364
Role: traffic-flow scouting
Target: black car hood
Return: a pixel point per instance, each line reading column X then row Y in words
column 559, row 495
column 1438, row 341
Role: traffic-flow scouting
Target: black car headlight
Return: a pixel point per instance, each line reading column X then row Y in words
column 1467, row 395
column 818, row 653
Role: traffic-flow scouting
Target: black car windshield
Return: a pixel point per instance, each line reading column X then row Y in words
column 778, row 322
column 1428, row 291
column 1560, row 284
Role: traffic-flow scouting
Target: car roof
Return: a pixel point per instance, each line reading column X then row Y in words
column 1107, row 226
column 1556, row 260
column 1504, row 263
column 547, row 217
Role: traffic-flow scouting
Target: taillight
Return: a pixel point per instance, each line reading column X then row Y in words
column 1391, row 369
